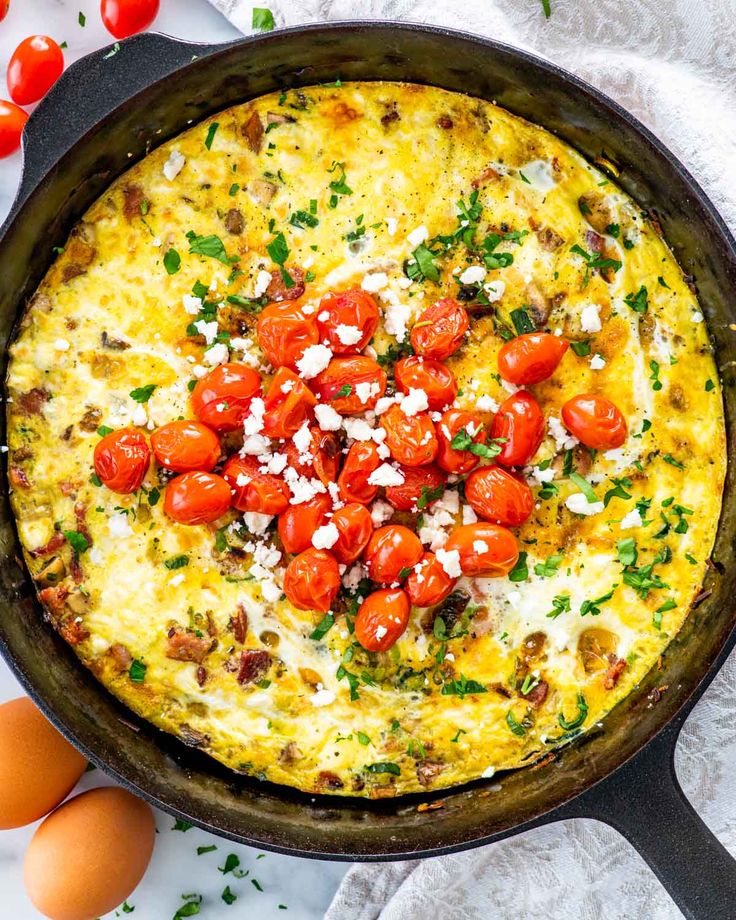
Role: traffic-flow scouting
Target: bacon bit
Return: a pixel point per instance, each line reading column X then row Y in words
column 501, row 690
column 75, row 568
column 549, row 239
column 253, row 131
column 56, row 542
column 80, row 513
column 429, row 806
column 615, row 670
column 538, row 694
column 277, row 291
column 113, row 344
column 487, row 173
column 33, row 401
column 326, row 779
column 133, row 198
column 54, row 598
column 593, row 241
column 234, row 221
column 184, row 645
column 253, row 665
column 201, row 675
column 239, row 624
column 427, row 772
column 72, row 630
column 121, row 656
column 18, row 478
column 290, row 753
column 91, row 419
column 67, row 487
column 383, row 791
column 79, row 255
column 23, row 453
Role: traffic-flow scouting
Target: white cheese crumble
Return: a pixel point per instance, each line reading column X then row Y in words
column 590, row 320
column 597, row 362
column 469, row 516
column 118, row 525
column 579, row 504
column 208, row 330
column 395, row 318
column 563, row 439
column 263, row 279
column 486, row 403
column 217, row 354
column 480, row 546
column 314, row 360
column 386, row 475
column 358, row 429
column 374, row 282
column 256, row 522
column 494, row 290
column 415, row 401
column 191, row 304
column 302, row 439
column 323, row 697
column 325, row 536
column 540, row 175
column 348, row 335
column 631, row 520
column 381, row 512
column 418, row 236
column 473, row 274
column 450, row 562
column 327, row 418
column 61, row 345
column 139, row 416
column 174, row 165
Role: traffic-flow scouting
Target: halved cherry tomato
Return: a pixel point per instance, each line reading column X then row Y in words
column 449, row 458
column 420, row 482
column 35, row 65
column 339, row 315
column 284, row 332
column 382, row 619
column 412, row 439
column 439, row 331
column 253, row 490
column 185, row 445
column 196, row 498
column 289, row 403
column 431, row 585
column 520, row 423
column 435, row 378
column 355, row 527
column 498, row 496
column 312, row 580
column 390, row 550
column 531, row 358
column 595, row 421
column 486, row 550
column 350, row 385
column 12, row 122
column 222, row 398
column 121, row 460
column 126, row 17
column 361, row 461
column 322, row 460
column 298, row 523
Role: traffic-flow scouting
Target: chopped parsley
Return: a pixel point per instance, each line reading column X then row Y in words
column 338, row 186
column 211, row 132
column 654, row 376
column 549, row 567
column 202, row 850
column 181, row 825
column 78, row 542
column 585, row 487
column 384, row 767
column 137, row 671
column 278, row 250
column 581, row 349
column 560, row 604
column 421, row 266
column 228, row 897
column 177, row 562
column 520, row 571
column 142, row 394
column 668, row 458
column 210, row 246
column 594, row 608
column 172, row 261
column 262, row 20
column 518, row 728
column 323, row 627
column 303, row 219
column 579, row 718
column 430, row 495
column 462, row 687
column 638, row 302
column 522, row 321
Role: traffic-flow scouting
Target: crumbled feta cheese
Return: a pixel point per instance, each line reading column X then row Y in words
column 469, row 516
column 366, row 389
column 418, row 236
column 494, row 290
column 176, row 580
column 697, row 317
column 276, row 463
column 450, row 562
column 563, row 439
column 384, row 404
column 380, row 513
column 327, row 418
column 314, row 360
column 174, row 165
column 256, row 522
column 391, row 225
column 386, row 475
column 473, row 274
column 579, row 504
column 303, row 439
column 269, row 589
column 61, row 345
column 118, row 525
column 590, row 320
column 358, row 429
column 139, row 416
column 542, row 476
column 217, row 354
column 253, row 422
column 323, row 697
column 597, row 362
column 486, row 403
column 631, row 520
column 489, row 771
column 348, row 335
column 263, row 279
column 353, row 576
column 480, row 546
column 374, row 282
column 325, row 536
column 539, row 174
column 395, row 318
column 208, row 330
column 191, row 304
column 415, row 401
column 255, row 444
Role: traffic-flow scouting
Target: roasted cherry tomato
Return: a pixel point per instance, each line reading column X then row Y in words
column 4, row 7
column 595, row 421
column 439, row 331
column 498, row 496
column 519, row 423
column 382, row 619
column 12, row 122
column 361, row 461
column 452, row 459
column 196, row 498
column 350, row 385
column 422, row 485
column 289, row 403
column 434, row 377
column 312, row 580
column 486, row 550
column 284, row 332
column 430, row 585
column 222, row 398
column 321, row 461
column 121, row 460
column 411, row 439
column 36, row 64
column 298, row 523
column 186, row 445
column 253, row 490
column 126, row 17
column 391, row 550
column 355, row 527
column 531, row 358
column 347, row 321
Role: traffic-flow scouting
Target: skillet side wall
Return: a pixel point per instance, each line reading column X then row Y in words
column 54, row 195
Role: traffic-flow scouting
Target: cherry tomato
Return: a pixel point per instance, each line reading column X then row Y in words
column 12, row 122
column 355, row 527
column 390, row 550
column 431, row 585
column 36, row 64
column 435, row 378
column 222, row 398
column 312, row 580
column 126, row 17
column 382, row 619
column 439, row 331
column 419, row 482
column 449, row 458
column 298, row 523
column 284, row 332
column 185, row 445
column 595, row 421
column 519, row 421
column 531, row 358
column 352, row 309
column 411, row 439
column 486, row 550
column 361, row 461
column 121, row 460
column 322, row 461
column 4, row 7
column 499, row 497
column 254, row 490
column 350, row 385
column 289, row 403
column 196, row 498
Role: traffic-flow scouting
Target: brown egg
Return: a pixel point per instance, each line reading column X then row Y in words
column 38, row 767
column 88, row 856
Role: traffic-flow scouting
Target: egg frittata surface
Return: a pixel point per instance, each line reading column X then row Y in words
column 410, row 194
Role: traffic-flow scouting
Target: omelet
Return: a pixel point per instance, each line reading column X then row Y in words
column 413, row 194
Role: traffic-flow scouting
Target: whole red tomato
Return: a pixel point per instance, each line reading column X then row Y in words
column 431, row 584
column 390, row 551
column 382, row 619
column 121, row 460
column 126, row 17
column 284, row 332
column 422, row 484
column 354, row 526
column 412, row 439
column 298, row 523
column 531, row 358
column 457, row 459
column 253, row 490
column 222, row 398
column 498, row 496
column 519, row 423
column 196, row 498
column 322, row 461
column 435, row 378
column 485, row 550
column 361, row 461
column 350, row 385
column 185, row 445
column 12, row 122
column 343, row 317
column 35, row 65
column 289, row 403
column 312, row 580
column 595, row 421
column 440, row 330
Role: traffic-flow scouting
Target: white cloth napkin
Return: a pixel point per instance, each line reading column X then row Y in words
column 672, row 64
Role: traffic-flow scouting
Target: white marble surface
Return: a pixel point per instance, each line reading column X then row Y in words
column 304, row 886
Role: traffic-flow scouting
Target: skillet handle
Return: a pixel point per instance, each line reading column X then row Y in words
column 643, row 800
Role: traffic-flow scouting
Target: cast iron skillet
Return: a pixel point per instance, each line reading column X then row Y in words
column 105, row 113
